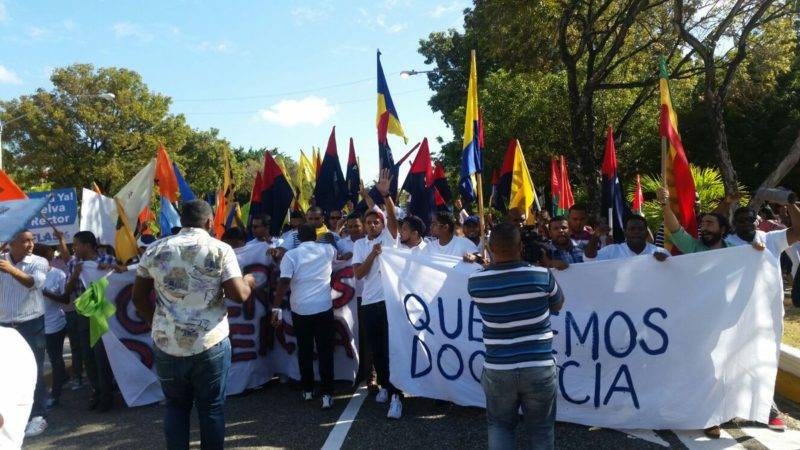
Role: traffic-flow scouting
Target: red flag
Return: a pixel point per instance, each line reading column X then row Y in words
column 258, row 186
column 638, row 198
column 565, row 198
column 145, row 218
column 165, row 177
column 8, row 189
column 219, row 215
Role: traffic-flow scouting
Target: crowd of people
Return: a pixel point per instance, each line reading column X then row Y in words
column 193, row 274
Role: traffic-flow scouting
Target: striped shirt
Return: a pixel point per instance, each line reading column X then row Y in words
column 19, row 303
column 514, row 300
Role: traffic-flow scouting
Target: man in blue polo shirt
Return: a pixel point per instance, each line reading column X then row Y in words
column 515, row 300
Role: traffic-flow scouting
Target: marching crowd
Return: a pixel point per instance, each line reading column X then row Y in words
column 193, row 274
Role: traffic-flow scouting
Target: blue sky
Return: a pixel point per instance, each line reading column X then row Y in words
column 263, row 73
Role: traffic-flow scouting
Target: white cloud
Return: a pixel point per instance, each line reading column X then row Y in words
column 304, row 14
column 380, row 21
column 8, row 77
column 441, row 9
column 127, row 29
column 311, row 110
column 219, row 47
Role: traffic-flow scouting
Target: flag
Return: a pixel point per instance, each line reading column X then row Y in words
column 612, row 205
column 386, row 106
column 493, row 196
column 638, row 198
column 96, row 188
column 165, row 177
column 99, row 215
column 234, row 216
column 168, row 217
column 8, row 189
column 16, row 214
column 220, row 214
column 124, row 241
column 678, row 177
column 253, row 208
column 134, row 196
column 385, row 158
column 317, row 162
column 330, row 191
column 565, row 198
column 440, row 181
column 555, row 187
column 471, row 156
column 183, row 186
column 276, row 194
column 353, row 175
column 514, row 185
column 419, row 183
column 304, row 184
column 145, row 223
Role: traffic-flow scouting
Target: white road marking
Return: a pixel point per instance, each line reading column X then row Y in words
column 697, row 440
column 774, row 440
column 646, row 435
column 342, row 427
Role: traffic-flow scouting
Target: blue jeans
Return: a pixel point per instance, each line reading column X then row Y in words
column 33, row 333
column 200, row 379
column 533, row 389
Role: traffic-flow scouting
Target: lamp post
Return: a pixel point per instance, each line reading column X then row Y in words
column 406, row 74
column 104, row 96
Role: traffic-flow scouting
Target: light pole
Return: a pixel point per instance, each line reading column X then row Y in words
column 406, row 74
column 104, row 95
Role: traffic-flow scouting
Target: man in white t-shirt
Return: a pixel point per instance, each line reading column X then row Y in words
column 259, row 226
column 306, row 270
column 55, row 322
column 635, row 243
column 373, row 308
column 746, row 233
column 16, row 387
column 447, row 243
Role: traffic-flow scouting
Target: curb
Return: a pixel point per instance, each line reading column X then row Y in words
column 787, row 383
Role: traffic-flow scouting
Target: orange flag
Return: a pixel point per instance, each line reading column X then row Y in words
column 165, row 177
column 8, row 189
column 219, row 215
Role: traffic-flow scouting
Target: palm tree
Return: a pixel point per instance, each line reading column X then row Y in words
column 707, row 182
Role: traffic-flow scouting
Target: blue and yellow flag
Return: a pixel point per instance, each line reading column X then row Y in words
column 386, row 105
column 471, row 156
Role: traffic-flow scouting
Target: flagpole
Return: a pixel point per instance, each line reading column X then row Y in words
column 664, row 150
column 408, row 153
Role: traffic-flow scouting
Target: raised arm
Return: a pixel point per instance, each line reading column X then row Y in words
column 670, row 220
column 384, row 183
column 63, row 250
column 365, row 196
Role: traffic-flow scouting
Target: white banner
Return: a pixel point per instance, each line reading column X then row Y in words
column 259, row 351
column 99, row 215
column 684, row 344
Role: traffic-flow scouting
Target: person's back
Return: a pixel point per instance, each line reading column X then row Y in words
column 515, row 301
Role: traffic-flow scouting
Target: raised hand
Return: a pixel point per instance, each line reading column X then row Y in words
column 384, row 182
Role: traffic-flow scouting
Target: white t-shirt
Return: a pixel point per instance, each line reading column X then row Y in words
column 289, row 240
column 309, row 267
column 373, row 289
column 458, row 246
column 794, row 255
column 273, row 243
column 16, row 387
column 347, row 245
column 54, row 318
column 620, row 251
column 775, row 241
column 417, row 248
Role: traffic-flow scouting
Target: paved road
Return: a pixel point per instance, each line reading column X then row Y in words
column 275, row 417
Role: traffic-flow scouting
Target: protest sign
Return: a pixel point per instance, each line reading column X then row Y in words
column 61, row 212
column 682, row 344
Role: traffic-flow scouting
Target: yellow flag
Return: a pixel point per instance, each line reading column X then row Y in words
column 124, row 241
column 304, row 184
column 523, row 194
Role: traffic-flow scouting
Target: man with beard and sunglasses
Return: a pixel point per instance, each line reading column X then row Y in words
column 714, row 227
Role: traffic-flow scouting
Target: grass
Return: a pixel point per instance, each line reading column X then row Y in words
column 791, row 324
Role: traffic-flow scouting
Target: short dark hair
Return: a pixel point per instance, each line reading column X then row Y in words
column 234, row 234
column 328, row 216
column 195, row 213
column 87, row 238
column 175, row 230
column 721, row 220
column 558, row 219
column 354, row 216
column 315, row 209
column 306, row 232
column 635, row 217
column 265, row 219
column 743, row 210
column 416, row 224
column 42, row 250
column 505, row 236
column 578, row 207
column 297, row 215
column 445, row 218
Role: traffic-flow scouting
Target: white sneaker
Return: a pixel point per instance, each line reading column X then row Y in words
column 383, row 396
column 36, row 426
column 327, row 402
column 308, row 396
column 395, row 408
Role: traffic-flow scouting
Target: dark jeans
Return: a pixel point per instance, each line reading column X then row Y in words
column 364, row 352
column 376, row 330
column 75, row 344
column 33, row 333
column 311, row 329
column 55, row 353
column 200, row 379
column 103, row 376
column 533, row 389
